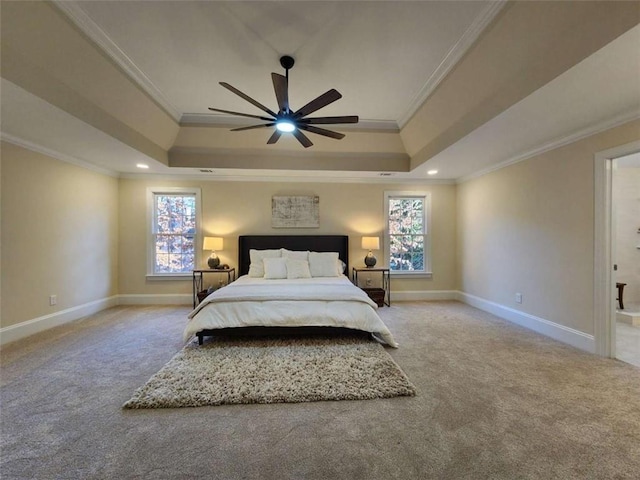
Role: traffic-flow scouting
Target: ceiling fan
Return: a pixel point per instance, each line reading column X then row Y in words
column 287, row 120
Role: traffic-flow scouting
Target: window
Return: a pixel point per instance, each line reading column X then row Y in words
column 174, row 224
column 407, row 232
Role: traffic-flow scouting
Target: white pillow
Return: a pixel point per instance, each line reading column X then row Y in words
column 256, row 267
column 297, row 268
column 275, row 267
column 298, row 255
column 324, row 264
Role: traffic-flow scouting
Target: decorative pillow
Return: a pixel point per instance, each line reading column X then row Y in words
column 297, row 268
column 275, row 267
column 298, row 255
column 256, row 267
column 324, row 264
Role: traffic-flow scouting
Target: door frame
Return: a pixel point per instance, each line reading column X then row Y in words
column 604, row 248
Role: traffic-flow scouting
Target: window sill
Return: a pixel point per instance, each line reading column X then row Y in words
column 169, row 277
column 411, row 274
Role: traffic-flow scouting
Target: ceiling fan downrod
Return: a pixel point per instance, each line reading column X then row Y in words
column 287, row 63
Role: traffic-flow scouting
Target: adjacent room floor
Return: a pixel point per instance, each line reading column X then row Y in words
column 628, row 334
column 494, row 401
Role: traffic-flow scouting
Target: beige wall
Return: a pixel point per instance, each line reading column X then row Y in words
column 231, row 209
column 59, row 235
column 529, row 228
column 627, row 204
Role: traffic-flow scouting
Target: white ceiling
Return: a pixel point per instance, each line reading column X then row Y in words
column 179, row 51
column 601, row 91
column 185, row 48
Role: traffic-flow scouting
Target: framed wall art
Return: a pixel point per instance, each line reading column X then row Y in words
column 295, row 211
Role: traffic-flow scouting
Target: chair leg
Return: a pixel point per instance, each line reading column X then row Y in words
column 620, row 294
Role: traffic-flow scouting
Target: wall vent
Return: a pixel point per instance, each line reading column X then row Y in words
column 205, row 170
column 386, row 174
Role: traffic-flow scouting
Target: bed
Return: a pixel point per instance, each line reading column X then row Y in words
column 261, row 300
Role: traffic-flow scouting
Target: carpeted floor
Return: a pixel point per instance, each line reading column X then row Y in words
column 494, row 401
column 274, row 370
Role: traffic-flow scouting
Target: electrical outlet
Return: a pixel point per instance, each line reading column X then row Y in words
column 518, row 298
column 53, row 300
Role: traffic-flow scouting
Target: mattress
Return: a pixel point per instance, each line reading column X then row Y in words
column 308, row 302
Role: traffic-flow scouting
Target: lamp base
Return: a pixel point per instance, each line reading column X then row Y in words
column 370, row 261
column 213, row 262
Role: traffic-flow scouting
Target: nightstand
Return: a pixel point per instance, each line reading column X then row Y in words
column 198, row 280
column 382, row 296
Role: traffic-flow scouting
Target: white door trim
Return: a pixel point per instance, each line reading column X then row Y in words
column 604, row 285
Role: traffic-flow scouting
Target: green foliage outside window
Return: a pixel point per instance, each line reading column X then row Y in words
column 406, row 234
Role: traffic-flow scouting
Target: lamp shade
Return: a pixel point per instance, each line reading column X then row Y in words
column 212, row 243
column 371, row 243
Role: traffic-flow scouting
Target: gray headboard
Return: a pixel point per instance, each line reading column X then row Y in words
column 315, row 243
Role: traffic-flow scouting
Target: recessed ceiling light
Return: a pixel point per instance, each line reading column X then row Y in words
column 142, row 165
column 432, row 172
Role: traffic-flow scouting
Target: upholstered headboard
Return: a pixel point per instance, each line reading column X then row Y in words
column 315, row 243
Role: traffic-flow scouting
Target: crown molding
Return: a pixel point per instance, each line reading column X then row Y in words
column 452, row 57
column 80, row 19
column 213, row 120
column 557, row 143
column 312, row 177
column 34, row 147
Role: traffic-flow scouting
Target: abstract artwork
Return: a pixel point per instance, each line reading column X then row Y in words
column 295, row 212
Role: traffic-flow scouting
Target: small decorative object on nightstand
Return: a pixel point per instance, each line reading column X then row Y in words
column 213, row 244
column 370, row 243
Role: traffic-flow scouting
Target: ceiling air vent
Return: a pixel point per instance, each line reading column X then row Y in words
column 205, row 170
column 386, row 174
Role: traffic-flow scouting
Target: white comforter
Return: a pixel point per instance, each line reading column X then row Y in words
column 322, row 302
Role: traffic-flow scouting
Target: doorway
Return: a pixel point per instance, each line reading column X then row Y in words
column 606, row 304
column 626, row 213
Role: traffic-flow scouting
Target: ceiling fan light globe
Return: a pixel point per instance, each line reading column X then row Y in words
column 285, row 126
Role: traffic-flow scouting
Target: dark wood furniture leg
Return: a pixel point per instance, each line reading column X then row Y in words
column 620, row 287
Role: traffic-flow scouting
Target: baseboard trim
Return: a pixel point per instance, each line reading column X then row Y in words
column 40, row 324
column 554, row 330
column 156, row 299
column 421, row 295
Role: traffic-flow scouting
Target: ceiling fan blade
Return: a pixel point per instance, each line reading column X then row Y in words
column 238, row 113
column 247, row 98
column 322, row 101
column 262, row 125
column 275, row 137
column 318, row 120
column 321, row 131
column 302, row 138
column 281, row 87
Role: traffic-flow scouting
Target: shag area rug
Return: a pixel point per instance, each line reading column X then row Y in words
column 268, row 370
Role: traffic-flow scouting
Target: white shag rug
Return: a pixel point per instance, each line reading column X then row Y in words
column 267, row 370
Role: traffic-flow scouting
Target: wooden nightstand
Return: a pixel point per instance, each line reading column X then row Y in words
column 382, row 296
column 198, row 280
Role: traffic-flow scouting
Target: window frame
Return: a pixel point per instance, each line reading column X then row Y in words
column 426, row 198
column 150, row 227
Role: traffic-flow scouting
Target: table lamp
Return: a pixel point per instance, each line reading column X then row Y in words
column 213, row 244
column 370, row 243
